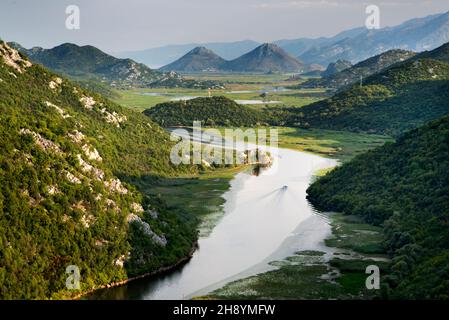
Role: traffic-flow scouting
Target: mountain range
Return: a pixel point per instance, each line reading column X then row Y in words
column 353, row 45
column 416, row 35
column 401, row 91
column 90, row 63
column 265, row 58
column 162, row 56
column 397, row 99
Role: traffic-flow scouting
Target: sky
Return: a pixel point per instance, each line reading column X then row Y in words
column 116, row 26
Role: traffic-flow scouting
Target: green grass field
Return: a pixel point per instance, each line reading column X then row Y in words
column 340, row 145
column 242, row 78
column 333, row 144
column 238, row 87
column 200, row 195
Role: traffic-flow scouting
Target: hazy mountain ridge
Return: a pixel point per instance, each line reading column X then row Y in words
column 354, row 45
column 415, row 35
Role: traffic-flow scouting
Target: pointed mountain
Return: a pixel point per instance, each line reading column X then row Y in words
column 266, row 58
column 162, row 56
column 197, row 60
column 90, row 63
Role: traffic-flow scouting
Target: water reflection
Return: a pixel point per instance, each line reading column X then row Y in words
column 263, row 210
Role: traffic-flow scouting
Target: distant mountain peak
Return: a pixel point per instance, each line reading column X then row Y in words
column 267, row 57
column 201, row 50
column 269, row 46
column 196, row 60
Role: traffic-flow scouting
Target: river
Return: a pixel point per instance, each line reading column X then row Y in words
column 266, row 218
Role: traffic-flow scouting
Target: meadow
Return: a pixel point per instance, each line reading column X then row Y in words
column 238, row 87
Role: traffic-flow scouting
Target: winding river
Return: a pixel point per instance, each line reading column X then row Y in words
column 266, row 218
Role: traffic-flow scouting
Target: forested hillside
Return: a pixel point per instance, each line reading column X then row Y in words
column 359, row 72
column 404, row 187
column 214, row 111
column 68, row 162
column 391, row 102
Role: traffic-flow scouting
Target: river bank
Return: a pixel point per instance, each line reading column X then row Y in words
column 221, row 203
column 158, row 272
column 335, row 272
column 258, row 214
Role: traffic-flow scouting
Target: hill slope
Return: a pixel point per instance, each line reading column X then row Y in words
column 336, row 67
column 396, row 100
column 361, row 70
column 90, row 63
column 213, row 111
column 404, row 187
column 197, row 60
column 441, row 53
column 68, row 163
column 266, row 58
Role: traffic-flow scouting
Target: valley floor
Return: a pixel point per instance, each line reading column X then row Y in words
column 307, row 274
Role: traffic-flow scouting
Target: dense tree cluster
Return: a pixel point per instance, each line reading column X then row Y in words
column 403, row 186
column 214, row 111
column 392, row 102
